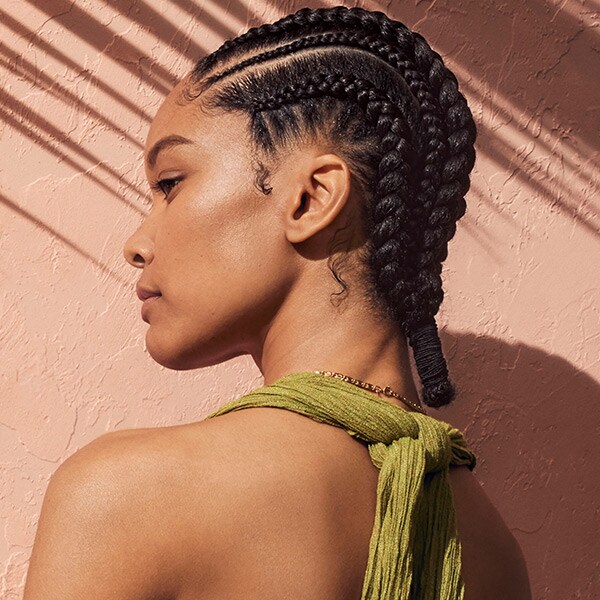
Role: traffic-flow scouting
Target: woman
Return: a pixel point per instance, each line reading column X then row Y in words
column 332, row 142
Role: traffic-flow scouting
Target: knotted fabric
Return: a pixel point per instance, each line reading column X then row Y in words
column 414, row 551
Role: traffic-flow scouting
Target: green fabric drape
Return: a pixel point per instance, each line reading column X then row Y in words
column 414, row 551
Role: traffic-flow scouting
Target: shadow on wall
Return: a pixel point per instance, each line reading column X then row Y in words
column 534, row 461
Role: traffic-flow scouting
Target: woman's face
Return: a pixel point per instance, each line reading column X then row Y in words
column 212, row 247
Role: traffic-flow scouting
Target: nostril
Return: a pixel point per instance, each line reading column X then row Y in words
column 138, row 259
column 138, row 252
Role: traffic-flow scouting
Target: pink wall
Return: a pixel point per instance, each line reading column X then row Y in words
column 79, row 83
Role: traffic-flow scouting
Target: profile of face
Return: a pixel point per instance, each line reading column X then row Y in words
column 215, row 247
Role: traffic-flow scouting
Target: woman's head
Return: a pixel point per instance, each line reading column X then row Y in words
column 223, row 258
column 348, row 96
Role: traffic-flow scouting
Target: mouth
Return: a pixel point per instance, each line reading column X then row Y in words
column 144, row 294
column 148, row 302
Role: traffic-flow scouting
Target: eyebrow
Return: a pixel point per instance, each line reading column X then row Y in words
column 163, row 144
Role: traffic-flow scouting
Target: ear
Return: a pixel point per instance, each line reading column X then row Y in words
column 321, row 192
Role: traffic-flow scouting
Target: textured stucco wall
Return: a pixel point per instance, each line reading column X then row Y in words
column 79, row 82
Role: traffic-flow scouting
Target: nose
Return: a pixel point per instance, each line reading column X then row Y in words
column 139, row 249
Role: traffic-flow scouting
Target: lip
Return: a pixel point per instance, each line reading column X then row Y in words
column 144, row 293
column 146, row 305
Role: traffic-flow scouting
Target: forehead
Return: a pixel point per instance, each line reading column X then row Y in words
column 178, row 117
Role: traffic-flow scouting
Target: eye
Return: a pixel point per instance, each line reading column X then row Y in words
column 166, row 185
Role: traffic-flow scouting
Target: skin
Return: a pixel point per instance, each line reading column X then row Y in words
column 244, row 273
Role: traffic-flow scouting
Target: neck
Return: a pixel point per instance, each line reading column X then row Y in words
column 352, row 341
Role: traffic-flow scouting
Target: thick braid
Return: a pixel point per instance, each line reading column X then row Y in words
column 448, row 207
column 447, row 134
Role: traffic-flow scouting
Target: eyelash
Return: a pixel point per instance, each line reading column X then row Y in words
column 161, row 184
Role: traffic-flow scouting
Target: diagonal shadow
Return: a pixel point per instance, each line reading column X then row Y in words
column 522, row 173
column 538, row 390
column 234, row 8
column 507, row 120
column 503, row 110
column 10, row 119
column 34, row 119
column 54, row 233
column 497, row 149
column 48, row 49
column 88, row 29
column 39, row 79
column 500, row 151
column 141, row 13
column 532, row 82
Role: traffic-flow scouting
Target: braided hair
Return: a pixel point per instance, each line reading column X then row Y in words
column 389, row 106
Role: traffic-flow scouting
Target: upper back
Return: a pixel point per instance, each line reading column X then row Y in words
column 293, row 507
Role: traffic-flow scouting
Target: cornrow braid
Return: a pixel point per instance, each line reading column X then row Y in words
column 424, row 157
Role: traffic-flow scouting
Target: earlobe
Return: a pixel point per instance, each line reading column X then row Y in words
column 321, row 196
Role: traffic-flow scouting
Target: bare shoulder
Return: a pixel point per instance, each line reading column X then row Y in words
column 141, row 513
column 136, row 475
column 243, row 496
column 169, row 468
column 224, row 503
column 202, row 477
column 157, row 469
column 105, row 522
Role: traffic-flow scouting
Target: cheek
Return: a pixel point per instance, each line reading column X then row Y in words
column 218, row 255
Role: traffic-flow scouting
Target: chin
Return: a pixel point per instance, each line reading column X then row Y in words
column 179, row 356
column 171, row 358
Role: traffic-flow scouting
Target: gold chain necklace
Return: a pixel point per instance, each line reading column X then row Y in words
column 387, row 390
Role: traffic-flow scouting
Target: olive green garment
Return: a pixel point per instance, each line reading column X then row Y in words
column 414, row 551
